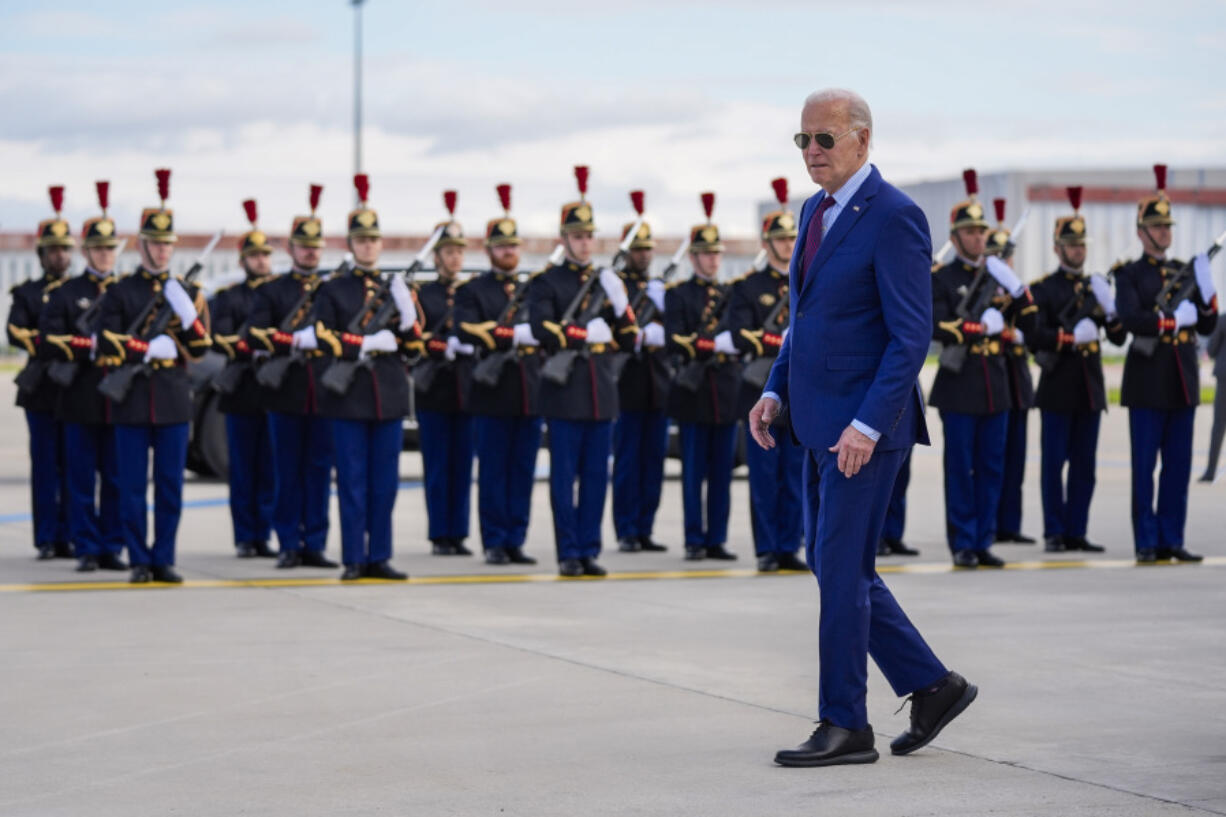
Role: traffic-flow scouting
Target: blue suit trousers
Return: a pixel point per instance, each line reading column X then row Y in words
column 169, row 444
column 1068, row 438
column 93, row 490
column 367, row 480
column 974, row 474
column 48, row 485
column 506, row 455
column 303, row 459
column 447, row 459
column 1009, row 512
column 707, row 452
column 640, row 443
column 253, row 477
column 1169, row 433
column 896, row 513
column 578, row 450
column 775, row 508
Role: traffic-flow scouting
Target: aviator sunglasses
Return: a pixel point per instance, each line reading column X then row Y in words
column 825, row 140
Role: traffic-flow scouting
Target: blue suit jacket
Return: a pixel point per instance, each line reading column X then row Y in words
column 861, row 322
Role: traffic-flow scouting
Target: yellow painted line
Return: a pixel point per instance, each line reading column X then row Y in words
column 922, row 568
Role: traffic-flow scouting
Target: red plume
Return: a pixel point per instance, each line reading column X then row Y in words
column 504, row 196
column 163, row 174
column 449, row 197
column 581, row 178
column 316, row 191
column 708, row 204
column 1074, row 197
column 249, row 209
column 999, row 204
column 104, row 194
column 971, row 179
column 1160, row 176
column 781, row 190
column 362, row 182
column 57, row 198
column 636, row 199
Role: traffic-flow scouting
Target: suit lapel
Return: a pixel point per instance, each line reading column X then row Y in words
column 847, row 219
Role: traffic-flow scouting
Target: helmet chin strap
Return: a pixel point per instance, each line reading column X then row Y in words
column 1150, row 236
column 1064, row 261
column 957, row 240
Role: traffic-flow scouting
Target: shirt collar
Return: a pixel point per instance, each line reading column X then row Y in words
column 845, row 193
column 159, row 276
column 97, row 276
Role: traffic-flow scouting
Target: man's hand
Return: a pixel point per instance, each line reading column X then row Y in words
column 854, row 450
column 761, row 416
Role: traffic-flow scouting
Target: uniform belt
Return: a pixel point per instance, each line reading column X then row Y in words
column 158, row 363
column 987, row 348
column 1182, row 337
column 525, row 351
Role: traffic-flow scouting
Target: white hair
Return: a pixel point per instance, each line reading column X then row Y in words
column 858, row 114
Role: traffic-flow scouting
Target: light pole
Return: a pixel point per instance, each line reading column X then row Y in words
column 357, row 85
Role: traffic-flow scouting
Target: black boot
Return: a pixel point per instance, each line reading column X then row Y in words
column 87, row 564
column 166, row 574
column 895, row 547
column 315, row 558
column 263, row 551
column 109, row 561
column 497, row 556
column 518, row 557
column 384, row 570
column 629, row 544
column 647, row 543
column 790, row 561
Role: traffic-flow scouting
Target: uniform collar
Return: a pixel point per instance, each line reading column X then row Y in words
column 1072, row 273
column 1157, row 262
column 574, row 266
column 154, row 276
column 967, row 264
column 304, row 274
column 98, row 276
column 365, row 272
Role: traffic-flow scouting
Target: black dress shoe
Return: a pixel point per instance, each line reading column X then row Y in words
column 497, row 556
column 1181, row 555
column 629, row 544
column 442, row 547
column 244, row 550
column 790, row 561
column 882, row 548
column 932, row 710
column 989, row 559
column 384, row 570
column 1205, row 477
column 768, row 563
column 166, row 574
column 1147, row 556
column 647, row 543
column 289, row 558
column 831, row 745
column 1163, row 554
column 263, row 551
column 1054, row 544
column 109, row 561
column 140, row 575
column 458, row 548
column 65, row 550
column 353, row 572
column 1082, row 544
column 316, row 558
column 46, row 551
column 1014, row 538
column 570, row 568
column 718, row 552
column 695, row 554
column 87, row 564
column 518, row 557
column 590, row 568
column 895, row 547
column 966, row 558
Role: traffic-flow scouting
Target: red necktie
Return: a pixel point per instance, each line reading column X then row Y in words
column 813, row 239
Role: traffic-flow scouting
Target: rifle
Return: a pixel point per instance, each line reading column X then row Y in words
column 757, row 371
column 1179, row 287
column 488, row 370
column 645, row 309
column 372, row 317
column 273, row 371
column 63, row 372
column 558, row 367
column 1081, row 304
column 690, row 377
column 116, row 384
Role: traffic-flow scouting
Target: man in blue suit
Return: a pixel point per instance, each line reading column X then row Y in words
column 862, row 310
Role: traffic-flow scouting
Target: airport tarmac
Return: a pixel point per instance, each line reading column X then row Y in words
column 663, row 690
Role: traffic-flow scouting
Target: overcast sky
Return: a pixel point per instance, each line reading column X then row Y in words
column 253, row 98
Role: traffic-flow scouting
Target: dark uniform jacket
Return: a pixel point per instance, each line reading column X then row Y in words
column 1170, row 378
column 644, row 381
column 1074, row 383
column 230, row 309
column 380, row 389
column 272, row 303
column 983, row 385
column 590, row 392
column 693, row 316
column 63, row 340
column 448, row 391
column 754, row 298
column 28, row 299
column 164, row 396
column 478, row 306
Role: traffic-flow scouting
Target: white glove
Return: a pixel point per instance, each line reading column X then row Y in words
column 655, row 291
column 381, row 341
column 1004, row 276
column 615, row 290
column 180, row 302
column 993, row 322
column 1102, row 293
column 455, row 347
column 404, row 302
column 523, row 335
column 162, row 347
column 724, row 344
column 598, row 331
column 1085, row 331
column 1204, row 277
column 653, row 335
column 305, row 339
column 1018, row 337
column 1185, row 315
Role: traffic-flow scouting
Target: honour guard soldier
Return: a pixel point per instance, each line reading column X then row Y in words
column 490, row 315
column 1073, row 309
column 1161, row 385
column 368, row 411
column 1021, row 398
column 581, row 316
column 301, row 437
column 36, row 394
column 253, row 480
column 69, row 326
column 971, row 388
column 640, row 434
column 705, row 395
column 757, row 318
column 156, row 411
column 442, row 411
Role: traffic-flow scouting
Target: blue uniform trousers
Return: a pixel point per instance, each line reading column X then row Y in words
column 1154, row 431
column 253, row 478
column 93, row 490
column 640, row 443
column 1009, row 512
column 578, row 450
column 774, row 493
column 506, row 451
column 974, row 460
column 302, row 459
column 367, row 480
column 48, row 486
column 896, row 512
column 859, row 617
column 447, row 458
column 706, row 456
column 1072, row 438
column 169, row 444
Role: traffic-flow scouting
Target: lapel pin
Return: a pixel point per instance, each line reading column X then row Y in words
column 855, row 208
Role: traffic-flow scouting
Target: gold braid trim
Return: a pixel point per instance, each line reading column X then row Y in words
column 686, row 342
column 953, row 327
column 556, row 328
column 62, row 342
column 117, row 341
column 325, row 335
column 754, row 336
column 24, row 336
column 262, row 335
column 483, row 330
